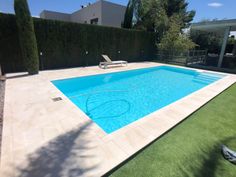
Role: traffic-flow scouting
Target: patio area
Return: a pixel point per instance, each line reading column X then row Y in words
column 42, row 137
column 222, row 61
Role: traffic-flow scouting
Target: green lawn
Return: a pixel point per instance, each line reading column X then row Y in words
column 193, row 147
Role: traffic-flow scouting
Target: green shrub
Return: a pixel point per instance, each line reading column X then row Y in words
column 27, row 38
column 174, row 40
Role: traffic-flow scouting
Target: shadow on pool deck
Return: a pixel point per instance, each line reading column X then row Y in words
column 59, row 157
column 17, row 75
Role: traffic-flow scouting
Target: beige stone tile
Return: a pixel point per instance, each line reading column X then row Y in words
column 133, row 140
column 156, row 126
column 7, row 168
column 33, row 123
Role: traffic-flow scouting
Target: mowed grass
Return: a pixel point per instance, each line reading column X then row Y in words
column 193, row 147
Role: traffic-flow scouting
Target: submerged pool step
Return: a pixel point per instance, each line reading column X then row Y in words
column 205, row 79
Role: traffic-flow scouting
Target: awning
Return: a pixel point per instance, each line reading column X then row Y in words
column 221, row 26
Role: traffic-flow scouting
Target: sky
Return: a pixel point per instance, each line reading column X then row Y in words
column 205, row 9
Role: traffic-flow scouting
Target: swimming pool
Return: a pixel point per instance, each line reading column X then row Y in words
column 117, row 99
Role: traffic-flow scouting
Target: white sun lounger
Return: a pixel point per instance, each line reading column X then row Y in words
column 110, row 62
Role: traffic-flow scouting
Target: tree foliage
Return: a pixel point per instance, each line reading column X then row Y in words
column 27, row 37
column 179, row 7
column 153, row 15
column 150, row 15
column 166, row 18
column 232, row 40
column 173, row 39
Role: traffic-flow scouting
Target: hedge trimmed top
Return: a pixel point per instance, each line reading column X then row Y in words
column 65, row 44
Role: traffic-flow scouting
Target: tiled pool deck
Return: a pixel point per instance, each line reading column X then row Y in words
column 46, row 138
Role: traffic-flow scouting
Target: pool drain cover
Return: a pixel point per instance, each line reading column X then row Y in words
column 56, row 99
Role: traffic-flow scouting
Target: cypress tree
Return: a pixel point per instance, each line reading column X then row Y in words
column 27, row 37
column 128, row 15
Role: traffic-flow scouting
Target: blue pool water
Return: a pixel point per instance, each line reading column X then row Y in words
column 115, row 100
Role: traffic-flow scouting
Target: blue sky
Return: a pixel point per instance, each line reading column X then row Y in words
column 206, row 9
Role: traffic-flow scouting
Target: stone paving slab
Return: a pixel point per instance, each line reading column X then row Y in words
column 46, row 138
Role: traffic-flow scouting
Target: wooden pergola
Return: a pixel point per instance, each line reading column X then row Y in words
column 221, row 26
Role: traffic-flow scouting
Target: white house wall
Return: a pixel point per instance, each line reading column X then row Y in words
column 55, row 15
column 88, row 13
column 112, row 14
column 107, row 13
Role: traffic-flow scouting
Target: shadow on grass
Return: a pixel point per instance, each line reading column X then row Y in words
column 60, row 157
column 212, row 163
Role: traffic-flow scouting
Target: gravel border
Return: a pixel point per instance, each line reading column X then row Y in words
column 2, row 93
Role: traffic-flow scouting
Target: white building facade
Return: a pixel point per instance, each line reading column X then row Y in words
column 101, row 13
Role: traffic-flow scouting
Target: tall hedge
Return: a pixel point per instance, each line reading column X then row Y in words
column 10, row 52
column 27, row 37
column 65, row 44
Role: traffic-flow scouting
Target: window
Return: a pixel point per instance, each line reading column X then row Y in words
column 94, row 21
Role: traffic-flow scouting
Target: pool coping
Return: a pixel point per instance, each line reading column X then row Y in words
column 104, row 151
column 150, row 114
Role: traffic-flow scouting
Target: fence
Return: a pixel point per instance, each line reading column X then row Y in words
column 182, row 57
column 196, row 57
